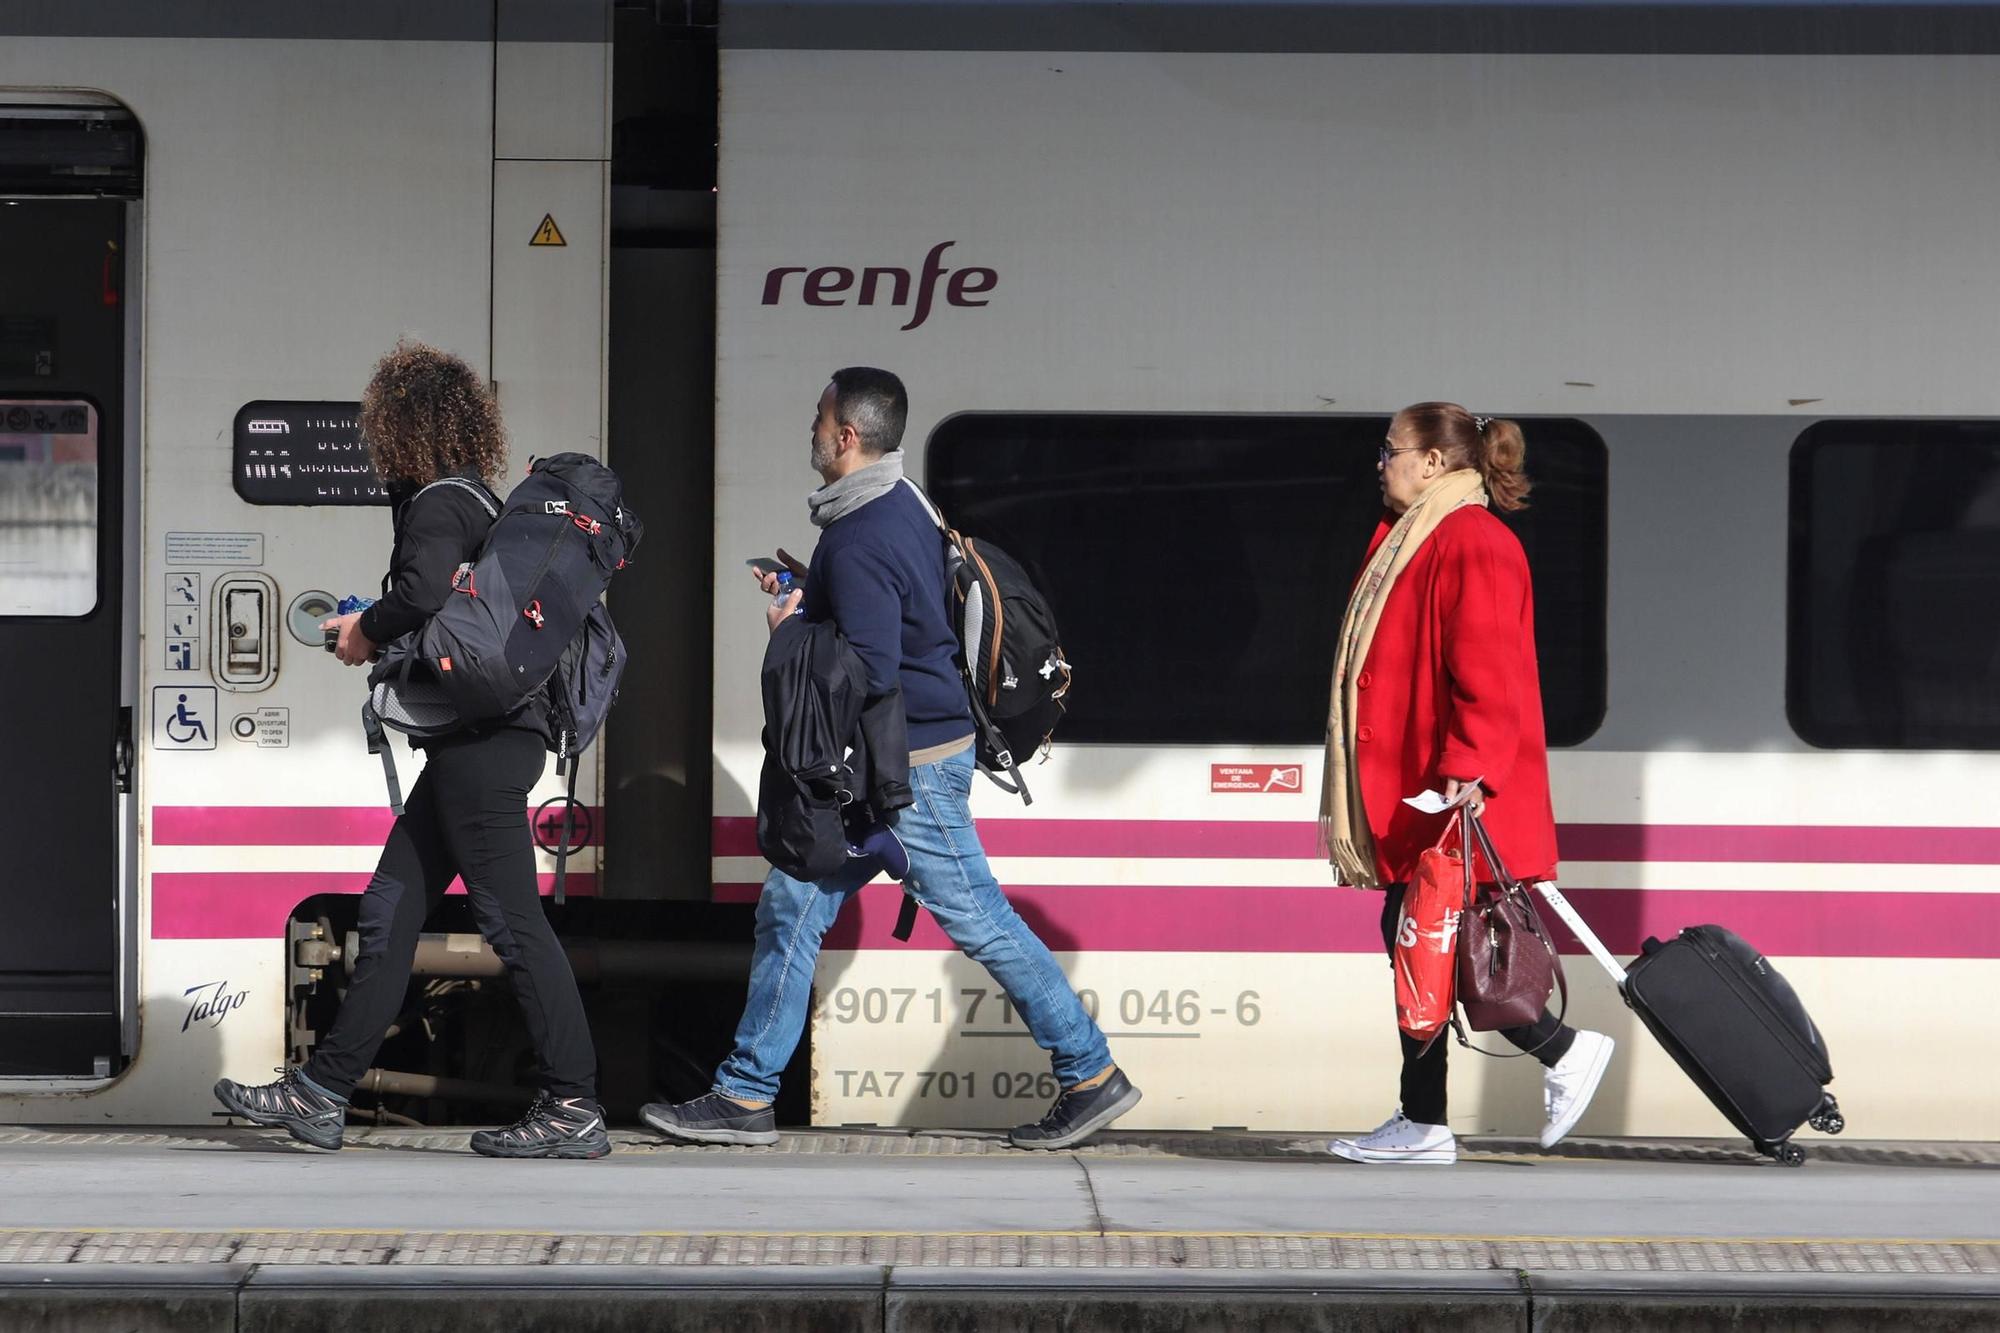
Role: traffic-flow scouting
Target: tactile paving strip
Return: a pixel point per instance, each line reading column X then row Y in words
column 1228, row 1145
column 1022, row 1250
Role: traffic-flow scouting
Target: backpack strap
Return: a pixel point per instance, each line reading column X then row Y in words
column 478, row 492
column 906, row 918
column 378, row 743
column 929, row 508
column 991, row 736
column 569, row 820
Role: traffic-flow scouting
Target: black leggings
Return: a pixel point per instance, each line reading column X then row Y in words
column 1423, row 1071
column 466, row 817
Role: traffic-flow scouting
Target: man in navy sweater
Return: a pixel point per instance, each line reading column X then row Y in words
column 879, row 574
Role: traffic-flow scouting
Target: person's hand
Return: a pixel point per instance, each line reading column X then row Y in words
column 779, row 612
column 769, row 582
column 353, row 647
column 1470, row 794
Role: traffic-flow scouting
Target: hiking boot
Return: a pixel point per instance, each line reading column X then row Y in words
column 712, row 1118
column 1078, row 1113
column 1400, row 1139
column 295, row 1104
column 553, row 1127
column 1570, row 1083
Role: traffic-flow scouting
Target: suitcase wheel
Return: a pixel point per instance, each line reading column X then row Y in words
column 1788, row 1154
column 1828, row 1119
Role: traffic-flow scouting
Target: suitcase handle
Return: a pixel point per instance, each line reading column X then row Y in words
column 1581, row 929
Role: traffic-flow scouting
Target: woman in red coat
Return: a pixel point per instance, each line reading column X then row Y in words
column 1435, row 687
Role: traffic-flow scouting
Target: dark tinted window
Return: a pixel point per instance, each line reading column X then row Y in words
column 1895, row 574
column 1199, row 565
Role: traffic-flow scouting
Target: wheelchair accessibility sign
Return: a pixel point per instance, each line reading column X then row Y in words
column 184, row 717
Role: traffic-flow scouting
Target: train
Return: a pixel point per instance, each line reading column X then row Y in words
column 1156, row 275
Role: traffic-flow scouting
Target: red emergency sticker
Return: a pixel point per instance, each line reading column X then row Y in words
column 1256, row 777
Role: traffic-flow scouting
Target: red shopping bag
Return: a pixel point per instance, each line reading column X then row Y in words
column 1426, row 952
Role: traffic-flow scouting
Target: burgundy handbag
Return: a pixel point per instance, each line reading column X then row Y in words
column 1507, row 964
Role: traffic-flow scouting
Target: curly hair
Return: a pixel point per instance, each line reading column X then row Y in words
column 425, row 413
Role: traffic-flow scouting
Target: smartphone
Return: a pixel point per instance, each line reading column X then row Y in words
column 764, row 564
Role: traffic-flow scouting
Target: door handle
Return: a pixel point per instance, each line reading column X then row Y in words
column 121, row 754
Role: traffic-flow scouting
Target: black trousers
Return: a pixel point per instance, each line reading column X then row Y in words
column 467, row 818
column 1423, row 1085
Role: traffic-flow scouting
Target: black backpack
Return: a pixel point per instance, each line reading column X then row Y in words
column 546, row 561
column 525, row 618
column 1016, row 676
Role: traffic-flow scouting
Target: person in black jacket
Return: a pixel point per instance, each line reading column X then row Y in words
column 435, row 437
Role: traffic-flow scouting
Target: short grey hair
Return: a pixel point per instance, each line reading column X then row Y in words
column 875, row 403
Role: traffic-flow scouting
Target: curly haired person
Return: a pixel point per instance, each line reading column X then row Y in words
column 434, row 435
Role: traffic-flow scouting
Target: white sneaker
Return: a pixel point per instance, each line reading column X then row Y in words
column 1570, row 1083
column 1400, row 1139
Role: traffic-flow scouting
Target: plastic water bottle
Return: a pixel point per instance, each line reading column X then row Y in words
column 787, row 585
column 346, row 606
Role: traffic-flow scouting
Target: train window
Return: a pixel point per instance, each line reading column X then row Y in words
column 1199, row 565
column 48, row 507
column 1894, row 573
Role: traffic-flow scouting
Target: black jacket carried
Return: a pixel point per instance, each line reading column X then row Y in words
column 835, row 757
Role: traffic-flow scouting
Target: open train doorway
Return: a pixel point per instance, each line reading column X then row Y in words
column 70, row 173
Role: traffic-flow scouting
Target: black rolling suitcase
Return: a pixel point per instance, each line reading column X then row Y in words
column 1732, row 1024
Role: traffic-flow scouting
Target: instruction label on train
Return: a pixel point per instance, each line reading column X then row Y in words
column 240, row 550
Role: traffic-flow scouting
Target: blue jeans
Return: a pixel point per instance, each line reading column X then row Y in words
column 949, row 877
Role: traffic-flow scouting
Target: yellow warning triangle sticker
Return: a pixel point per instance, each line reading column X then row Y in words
column 548, row 233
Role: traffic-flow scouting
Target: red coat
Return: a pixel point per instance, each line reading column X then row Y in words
column 1450, row 689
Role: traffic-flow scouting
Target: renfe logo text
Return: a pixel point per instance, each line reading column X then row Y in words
column 886, row 286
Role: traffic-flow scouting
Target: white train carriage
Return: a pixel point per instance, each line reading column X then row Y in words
column 1156, row 276
column 214, row 219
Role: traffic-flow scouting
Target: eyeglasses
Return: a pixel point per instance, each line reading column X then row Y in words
column 1383, row 453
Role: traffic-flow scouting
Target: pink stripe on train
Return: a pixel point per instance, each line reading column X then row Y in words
column 1294, row 840
column 293, row 825
column 1133, row 918
column 250, row 905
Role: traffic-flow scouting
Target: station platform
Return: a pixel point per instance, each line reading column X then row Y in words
column 229, row 1228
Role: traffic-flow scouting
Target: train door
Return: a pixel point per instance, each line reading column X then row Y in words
column 63, row 554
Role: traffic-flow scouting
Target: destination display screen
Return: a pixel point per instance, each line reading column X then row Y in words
column 303, row 454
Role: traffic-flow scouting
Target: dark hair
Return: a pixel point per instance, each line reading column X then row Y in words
column 425, row 413
column 1496, row 447
column 874, row 403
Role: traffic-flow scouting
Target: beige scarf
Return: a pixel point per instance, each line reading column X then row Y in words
column 1343, row 822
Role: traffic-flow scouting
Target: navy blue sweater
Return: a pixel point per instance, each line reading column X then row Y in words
column 878, row 573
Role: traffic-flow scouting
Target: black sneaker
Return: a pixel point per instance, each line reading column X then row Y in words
column 553, row 1127
column 1078, row 1113
column 292, row 1104
column 712, row 1118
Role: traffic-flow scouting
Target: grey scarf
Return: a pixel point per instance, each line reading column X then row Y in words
column 840, row 498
